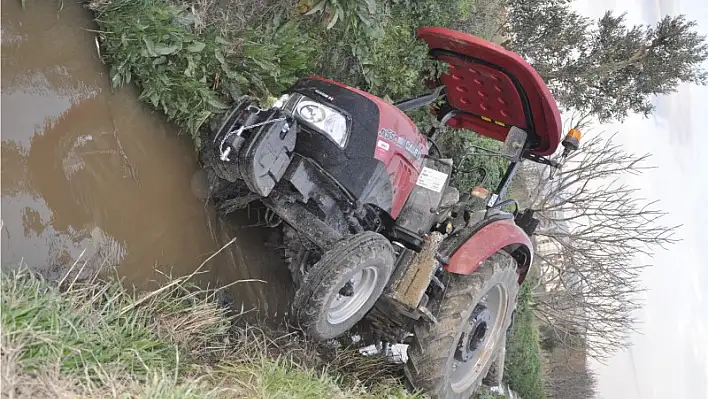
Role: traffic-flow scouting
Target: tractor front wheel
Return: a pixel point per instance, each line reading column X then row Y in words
column 343, row 285
column 450, row 358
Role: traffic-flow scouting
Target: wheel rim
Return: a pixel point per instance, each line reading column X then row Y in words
column 352, row 295
column 475, row 347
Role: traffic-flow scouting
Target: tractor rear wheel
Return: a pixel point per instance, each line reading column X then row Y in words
column 343, row 285
column 450, row 358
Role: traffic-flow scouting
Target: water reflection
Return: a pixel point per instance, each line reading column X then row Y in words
column 90, row 172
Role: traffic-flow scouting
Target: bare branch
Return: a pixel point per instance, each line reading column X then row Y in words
column 593, row 226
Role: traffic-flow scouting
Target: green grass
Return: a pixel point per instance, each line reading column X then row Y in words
column 522, row 369
column 96, row 339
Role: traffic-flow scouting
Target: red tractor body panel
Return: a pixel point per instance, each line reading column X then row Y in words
column 484, row 243
column 493, row 88
column 399, row 145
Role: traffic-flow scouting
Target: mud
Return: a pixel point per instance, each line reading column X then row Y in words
column 91, row 174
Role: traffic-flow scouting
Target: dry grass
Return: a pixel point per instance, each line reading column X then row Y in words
column 96, row 339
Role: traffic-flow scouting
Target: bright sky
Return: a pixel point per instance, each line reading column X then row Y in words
column 669, row 355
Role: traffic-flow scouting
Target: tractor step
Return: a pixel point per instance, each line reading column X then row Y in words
column 410, row 280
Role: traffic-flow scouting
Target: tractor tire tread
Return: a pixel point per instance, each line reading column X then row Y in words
column 430, row 353
column 345, row 257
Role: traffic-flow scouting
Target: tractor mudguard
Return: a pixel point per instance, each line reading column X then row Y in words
column 484, row 242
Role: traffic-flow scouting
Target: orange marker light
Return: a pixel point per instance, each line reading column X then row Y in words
column 575, row 133
column 571, row 142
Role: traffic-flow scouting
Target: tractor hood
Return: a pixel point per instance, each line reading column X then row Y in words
column 491, row 89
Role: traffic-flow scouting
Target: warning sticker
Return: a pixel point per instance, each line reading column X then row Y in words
column 382, row 148
column 383, row 145
column 432, row 179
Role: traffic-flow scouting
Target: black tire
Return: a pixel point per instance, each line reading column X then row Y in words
column 299, row 254
column 432, row 352
column 225, row 195
column 325, row 279
column 210, row 161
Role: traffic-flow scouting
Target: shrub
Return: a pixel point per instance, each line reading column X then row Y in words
column 522, row 369
column 393, row 64
column 359, row 14
column 460, row 145
column 191, row 76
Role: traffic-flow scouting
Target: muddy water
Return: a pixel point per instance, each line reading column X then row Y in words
column 90, row 173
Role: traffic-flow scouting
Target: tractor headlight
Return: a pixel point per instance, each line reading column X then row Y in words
column 317, row 116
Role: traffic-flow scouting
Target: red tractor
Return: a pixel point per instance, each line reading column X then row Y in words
column 374, row 231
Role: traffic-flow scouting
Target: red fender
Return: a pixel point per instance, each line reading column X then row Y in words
column 487, row 241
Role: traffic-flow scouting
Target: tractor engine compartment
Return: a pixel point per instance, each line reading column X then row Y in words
column 316, row 160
